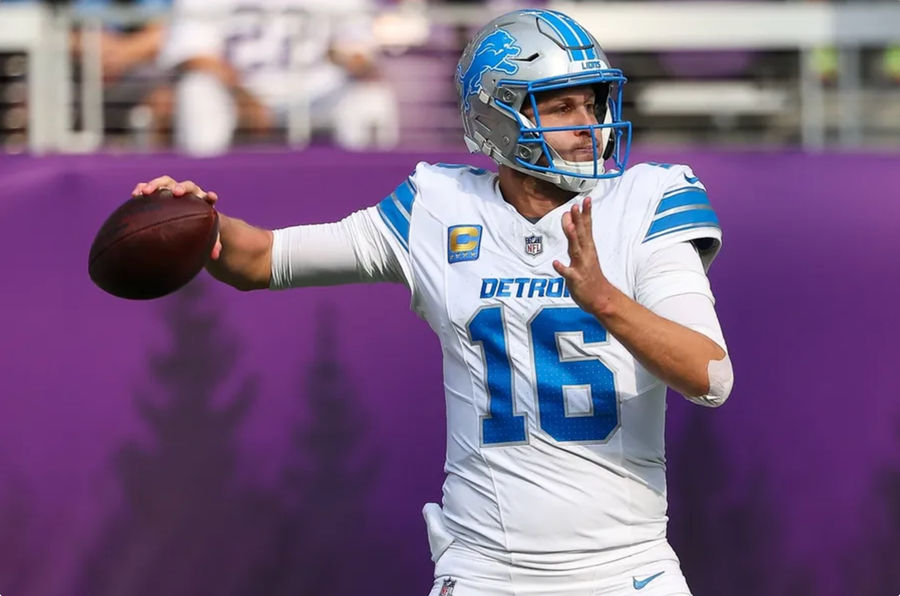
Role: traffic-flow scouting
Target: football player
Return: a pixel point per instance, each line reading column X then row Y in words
column 567, row 292
column 255, row 64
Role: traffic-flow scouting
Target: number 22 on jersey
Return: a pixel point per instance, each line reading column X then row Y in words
column 552, row 374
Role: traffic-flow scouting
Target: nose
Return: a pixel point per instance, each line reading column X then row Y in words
column 586, row 117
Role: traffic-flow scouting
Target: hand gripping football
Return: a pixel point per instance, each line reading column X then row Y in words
column 152, row 245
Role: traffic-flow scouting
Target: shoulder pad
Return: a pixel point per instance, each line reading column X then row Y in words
column 682, row 212
column 396, row 209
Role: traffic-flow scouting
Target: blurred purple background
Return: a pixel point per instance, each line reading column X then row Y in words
column 218, row 442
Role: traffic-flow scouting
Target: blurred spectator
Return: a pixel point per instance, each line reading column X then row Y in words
column 137, row 96
column 123, row 49
column 890, row 64
column 826, row 60
column 255, row 64
column 133, row 84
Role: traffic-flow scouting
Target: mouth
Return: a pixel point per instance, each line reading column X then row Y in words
column 582, row 154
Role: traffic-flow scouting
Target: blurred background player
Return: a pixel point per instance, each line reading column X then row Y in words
column 136, row 91
column 125, row 48
column 136, row 94
column 307, row 66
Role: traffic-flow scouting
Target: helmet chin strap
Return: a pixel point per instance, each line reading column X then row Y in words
column 574, row 183
column 585, row 168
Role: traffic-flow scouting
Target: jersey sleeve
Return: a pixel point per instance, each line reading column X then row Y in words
column 681, row 212
column 396, row 220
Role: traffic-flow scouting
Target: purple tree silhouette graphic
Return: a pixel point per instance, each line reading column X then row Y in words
column 183, row 521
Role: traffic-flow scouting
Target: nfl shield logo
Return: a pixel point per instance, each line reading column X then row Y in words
column 534, row 245
column 447, row 588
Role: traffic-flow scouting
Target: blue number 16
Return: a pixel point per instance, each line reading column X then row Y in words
column 552, row 375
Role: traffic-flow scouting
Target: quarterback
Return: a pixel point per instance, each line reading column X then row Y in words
column 567, row 292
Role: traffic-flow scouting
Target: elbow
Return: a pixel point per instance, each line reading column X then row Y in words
column 708, row 401
column 720, row 380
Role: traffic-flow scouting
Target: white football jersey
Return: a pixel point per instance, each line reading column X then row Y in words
column 555, row 452
column 268, row 41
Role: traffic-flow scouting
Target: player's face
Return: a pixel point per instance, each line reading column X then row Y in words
column 574, row 106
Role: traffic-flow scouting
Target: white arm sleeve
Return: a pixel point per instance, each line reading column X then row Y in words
column 694, row 311
column 670, row 271
column 677, row 289
column 351, row 250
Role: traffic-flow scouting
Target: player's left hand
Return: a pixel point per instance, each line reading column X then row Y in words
column 588, row 286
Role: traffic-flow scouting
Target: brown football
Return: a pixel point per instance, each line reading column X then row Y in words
column 152, row 245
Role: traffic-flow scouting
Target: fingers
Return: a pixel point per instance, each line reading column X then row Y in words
column 563, row 270
column 577, row 228
column 148, row 188
column 583, row 224
column 217, row 249
column 187, row 187
column 179, row 189
column 586, row 210
column 569, row 229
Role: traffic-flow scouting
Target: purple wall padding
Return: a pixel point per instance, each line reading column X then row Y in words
column 807, row 287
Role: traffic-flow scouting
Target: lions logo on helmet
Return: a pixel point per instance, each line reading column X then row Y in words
column 493, row 53
column 514, row 58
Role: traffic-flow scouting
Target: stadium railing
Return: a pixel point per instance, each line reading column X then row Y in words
column 802, row 108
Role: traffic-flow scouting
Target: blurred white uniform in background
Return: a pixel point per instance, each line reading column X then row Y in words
column 307, row 60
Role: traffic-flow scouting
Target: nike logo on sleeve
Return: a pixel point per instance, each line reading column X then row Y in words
column 642, row 583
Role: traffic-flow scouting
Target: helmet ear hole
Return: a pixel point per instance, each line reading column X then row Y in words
column 601, row 101
column 610, row 145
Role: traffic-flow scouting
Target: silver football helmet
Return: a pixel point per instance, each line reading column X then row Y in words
column 523, row 53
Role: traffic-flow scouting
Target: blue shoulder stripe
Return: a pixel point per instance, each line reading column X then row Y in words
column 682, row 218
column 689, row 195
column 406, row 194
column 396, row 209
column 395, row 219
